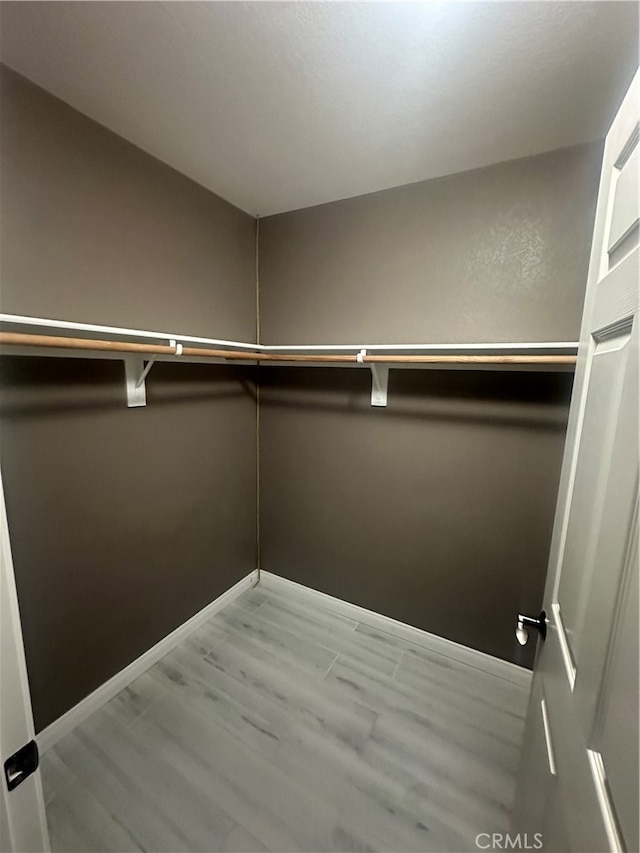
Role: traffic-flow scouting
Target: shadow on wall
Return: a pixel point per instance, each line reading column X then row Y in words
column 43, row 386
column 507, row 398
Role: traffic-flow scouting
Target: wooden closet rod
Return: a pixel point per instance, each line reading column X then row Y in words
column 55, row 341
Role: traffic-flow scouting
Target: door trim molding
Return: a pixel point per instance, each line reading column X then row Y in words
column 408, row 633
column 56, row 730
column 606, row 806
column 567, row 657
column 24, row 823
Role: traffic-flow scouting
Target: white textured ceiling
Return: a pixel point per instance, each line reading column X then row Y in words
column 277, row 106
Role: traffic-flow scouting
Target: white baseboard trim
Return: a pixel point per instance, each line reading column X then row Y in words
column 74, row 716
column 438, row 645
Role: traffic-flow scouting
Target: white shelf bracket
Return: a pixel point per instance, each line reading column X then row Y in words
column 379, row 380
column 379, row 384
column 135, row 373
column 144, row 373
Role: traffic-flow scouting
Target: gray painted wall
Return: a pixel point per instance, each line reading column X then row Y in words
column 496, row 254
column 124, row 522
column 95, row 230
column 438, row 510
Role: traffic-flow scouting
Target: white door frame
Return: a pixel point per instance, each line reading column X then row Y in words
column 23, row 826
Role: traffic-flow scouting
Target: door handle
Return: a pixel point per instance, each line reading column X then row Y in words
column 537, row 622
column 21, row 764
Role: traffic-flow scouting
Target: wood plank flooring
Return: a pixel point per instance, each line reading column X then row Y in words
column 282, row 725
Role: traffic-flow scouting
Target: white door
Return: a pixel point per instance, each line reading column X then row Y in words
column 23, row 824
column 578, row 781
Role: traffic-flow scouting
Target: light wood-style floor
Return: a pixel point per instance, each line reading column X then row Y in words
column 284, row 726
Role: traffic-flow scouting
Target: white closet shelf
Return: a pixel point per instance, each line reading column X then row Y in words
column 114, row 334
column 21, row 335
column 89, row 331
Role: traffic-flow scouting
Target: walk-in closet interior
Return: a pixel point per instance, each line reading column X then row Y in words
column 291, row 305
